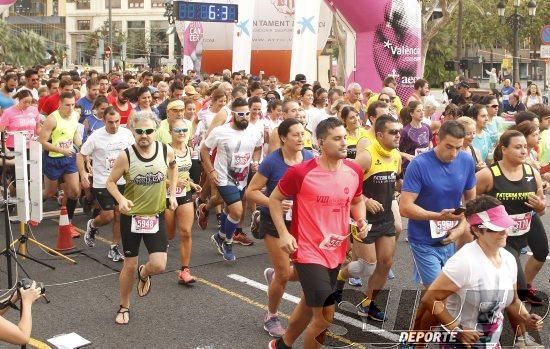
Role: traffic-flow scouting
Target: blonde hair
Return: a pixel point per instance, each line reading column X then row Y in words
column 466, row 121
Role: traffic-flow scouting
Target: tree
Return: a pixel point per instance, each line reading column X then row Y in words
column 21, row 47
column 92, row 41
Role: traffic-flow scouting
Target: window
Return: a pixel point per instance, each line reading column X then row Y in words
column 82, row 4
column 114, row 4
column 83, row 24
column 157, row 3
column 135, row 3
column 136, row 43
column 159, row 42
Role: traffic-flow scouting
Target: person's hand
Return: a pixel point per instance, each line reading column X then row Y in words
column 197, row 188
column 182, row 182
column 447, row 215
column 534, row 322
column 287, row 205
column 363, row 228
column 535, row 202
column 29, row 295
column 125, row 205
column 173, row 203
column 288, row 243
column 213, row 175
column 468, row 336
column 68, row 152
column 453, row 234
column 374, row 206
column 408, row 157
column 85, row 181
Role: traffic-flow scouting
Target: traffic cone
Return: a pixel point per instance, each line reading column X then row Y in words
column 64, row 234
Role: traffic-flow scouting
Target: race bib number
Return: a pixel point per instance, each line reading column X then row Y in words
column 110, row 162
column 180, row 192
column 332, row 241
column 240, row 161
column 439, row 229
column 523, row 224
column 66, row 144
column 145, row 224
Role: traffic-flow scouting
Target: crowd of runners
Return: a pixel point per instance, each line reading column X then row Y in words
column 321, row 175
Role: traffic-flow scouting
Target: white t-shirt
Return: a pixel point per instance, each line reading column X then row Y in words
column 315, row 116
column 104, row 148
column 485, row 290
column 34, row 92
column 234, row 155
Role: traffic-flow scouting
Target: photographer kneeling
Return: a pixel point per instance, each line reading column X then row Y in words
column 19, row 334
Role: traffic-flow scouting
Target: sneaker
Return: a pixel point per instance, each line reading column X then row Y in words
column 241, row 238
column 89, row 236
column 355, row 282
column 218, row 241
column 532, row 296
column 526, row 341
column 268, row 275
column 115, row 255
column 227, row 249
column 184, row 277
column 202, row 216
column 272, row 344
column 372, row 312
column 255, row 224
column 391, row 275
column 273, row 326
column 74, row 233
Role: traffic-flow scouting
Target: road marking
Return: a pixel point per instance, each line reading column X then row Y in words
column 38, row 344
column 52, row 214
column 349, row 320
column 529, row 253
column 264, row 307
column 97, row 237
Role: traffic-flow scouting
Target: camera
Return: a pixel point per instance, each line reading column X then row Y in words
column 27, row 283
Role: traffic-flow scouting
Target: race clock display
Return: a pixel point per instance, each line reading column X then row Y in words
column 206, row 12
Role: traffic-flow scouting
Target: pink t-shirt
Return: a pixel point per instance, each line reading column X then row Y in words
column 321, row 209
column 15, row 119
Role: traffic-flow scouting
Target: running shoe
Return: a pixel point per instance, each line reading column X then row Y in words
column 184, row 277
column 391, row 275
column 255, row 224
column 526, row 341
column 218, row 241
column 219, row 220
column 355, row 282
column 89, row 236
column 532, row 296
column 372, row 312
column 268, row 275
column 74, row 233
column 241, row 238
column 272, row 344
column 273, row 326
column 60, row 196
column 202, row 216
column 114, row 254
column 227, row 249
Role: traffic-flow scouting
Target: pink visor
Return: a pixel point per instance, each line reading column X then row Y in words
column 495, row 219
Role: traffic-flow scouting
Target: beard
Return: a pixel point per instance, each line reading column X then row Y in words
column 241, row 125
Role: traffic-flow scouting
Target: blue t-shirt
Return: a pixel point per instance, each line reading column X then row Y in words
column 86, row 105
column 484, row 144
column 439, row 186
column 506, row 92
column 273, row 168
column 93, row 124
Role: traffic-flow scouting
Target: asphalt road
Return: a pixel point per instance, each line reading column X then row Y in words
column 224, row 309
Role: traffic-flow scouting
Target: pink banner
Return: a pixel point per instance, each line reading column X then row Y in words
column 191, row 36
column 388, row 38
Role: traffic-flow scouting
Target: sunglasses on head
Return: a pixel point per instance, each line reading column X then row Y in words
column 241, row 114
column 141, row 131
column 180, row 129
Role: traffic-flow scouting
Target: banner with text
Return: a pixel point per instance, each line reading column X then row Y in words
column 191, row 36
column 242, row 37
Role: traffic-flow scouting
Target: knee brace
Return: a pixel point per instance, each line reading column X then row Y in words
column 361, row 269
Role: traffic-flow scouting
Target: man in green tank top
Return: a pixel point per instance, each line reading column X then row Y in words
column 145, row 166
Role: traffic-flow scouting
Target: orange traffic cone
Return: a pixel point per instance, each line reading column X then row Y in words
column 64, row 234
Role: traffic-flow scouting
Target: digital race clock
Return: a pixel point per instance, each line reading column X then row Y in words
column 206, row 12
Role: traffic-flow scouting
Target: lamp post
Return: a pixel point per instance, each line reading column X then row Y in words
column 516, row 20
column 171, row 17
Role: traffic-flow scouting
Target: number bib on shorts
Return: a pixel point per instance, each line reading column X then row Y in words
column 332, row 242
column 145, row 224
column 439, row 229
column 523, row 223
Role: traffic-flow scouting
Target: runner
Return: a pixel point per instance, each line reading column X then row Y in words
column 182, row 217
column 429, row 197
column 319, row 230
column 145, row 166
column 102, row 149
column 291, row 135
column 381, row 163
column 59, row 137
column 238, row 146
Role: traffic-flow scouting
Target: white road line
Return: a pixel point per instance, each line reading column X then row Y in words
column 529, row 253
column 349, row 320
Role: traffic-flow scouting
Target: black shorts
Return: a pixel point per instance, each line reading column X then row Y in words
column 153, row 242
column 317, row 283
column 104, row 199
column 195, row 171
column 267, row 227
column 378, row 230
column 182, row 200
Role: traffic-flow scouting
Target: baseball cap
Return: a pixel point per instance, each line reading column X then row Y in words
column 495, row 219
column 177, row 104
column 190, row 90
column 300, row 78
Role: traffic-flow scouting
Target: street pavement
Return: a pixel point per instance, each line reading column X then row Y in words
column 223, row 309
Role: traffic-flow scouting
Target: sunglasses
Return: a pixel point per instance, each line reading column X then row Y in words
column 493, row 105
column 384, row 100
column 180, row 129
column 394, row 132
column 241, row 114
column 141, row 131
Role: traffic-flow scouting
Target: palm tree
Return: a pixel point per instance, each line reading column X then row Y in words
column 21, row 47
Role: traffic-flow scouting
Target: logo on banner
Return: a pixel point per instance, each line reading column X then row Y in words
column 306, row 24
column 284, row 6
column 243, row 26
column 412, row 54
